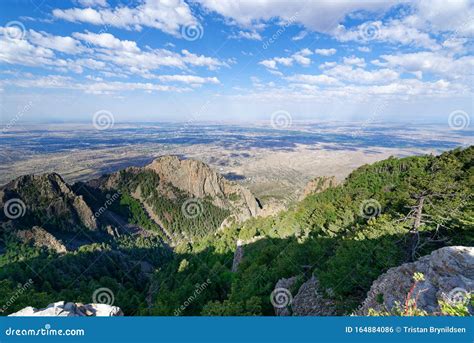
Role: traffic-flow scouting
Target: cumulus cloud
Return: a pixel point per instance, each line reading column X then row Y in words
column 325, row 52
column 300, row 57
column 321, row 16
column 395, row 31
column 168, row 16
column 431, row 62
column 67, row 45
column 252, row 35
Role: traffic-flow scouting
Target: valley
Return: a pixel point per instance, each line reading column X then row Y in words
column 176, row 237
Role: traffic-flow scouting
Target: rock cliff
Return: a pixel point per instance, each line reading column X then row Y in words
column 39, row 237
column 43, row 198
column 199, row 180
column 448, row 275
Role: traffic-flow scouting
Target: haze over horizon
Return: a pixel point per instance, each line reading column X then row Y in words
column 151, row 61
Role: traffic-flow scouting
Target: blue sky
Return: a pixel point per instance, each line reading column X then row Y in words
column 228, row 60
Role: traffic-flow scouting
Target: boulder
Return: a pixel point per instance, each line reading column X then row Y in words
column 448, row 275
column 63, row 309
column 281, row 296
column 309, row 301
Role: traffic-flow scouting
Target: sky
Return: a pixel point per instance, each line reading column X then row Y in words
column 230, row 60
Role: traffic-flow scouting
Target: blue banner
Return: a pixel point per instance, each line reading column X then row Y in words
column 237, row 329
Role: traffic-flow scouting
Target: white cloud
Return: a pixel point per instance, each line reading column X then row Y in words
column 361, row 76
column 325, row 52
column 395, row 32
column 106, row 40
column 363, row 49
column 252, row 35
column 321, row 16
column 353, row 60
column 126, row 53
column 191, row 79
column 96, row 87
column 299, row 57
column 59, row 43
column 93, row 3
column 301, row 35
column 167, row 16
column 431, row 62
column 313, row 79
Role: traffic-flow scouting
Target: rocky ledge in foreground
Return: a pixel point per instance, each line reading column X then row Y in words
column 448, row 276
column 64, row 309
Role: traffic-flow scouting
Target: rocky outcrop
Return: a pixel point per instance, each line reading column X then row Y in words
column 46, row 198
column 40, row 238
column 281, row 296
column 318, row 184
column 309, row 301
column 448, row 275
column 199, row 180
column 63, row 309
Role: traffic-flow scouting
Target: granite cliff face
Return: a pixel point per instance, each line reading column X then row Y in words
column 199, row 180
column 448, row 275
column 45, row 199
